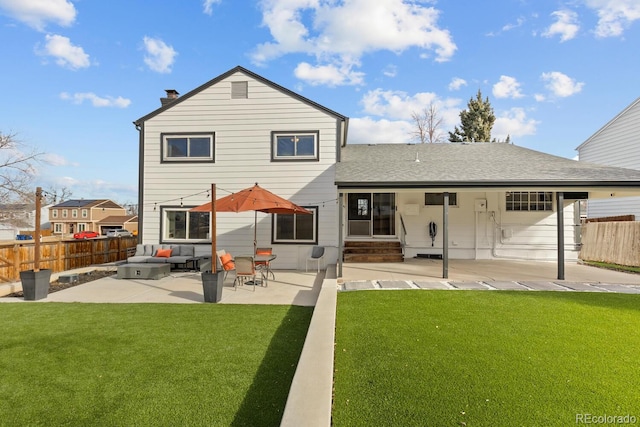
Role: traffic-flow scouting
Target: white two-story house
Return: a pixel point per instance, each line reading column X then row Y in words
column 234, row 131
column 470, row 201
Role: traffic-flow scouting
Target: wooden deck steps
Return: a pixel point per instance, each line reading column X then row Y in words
column 373, row 251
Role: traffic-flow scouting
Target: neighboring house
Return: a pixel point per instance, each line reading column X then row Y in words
column 73, row 216
column 504, row 201
column 128, row 222
column 617, row 143
column 234, row 131
column 18, row 217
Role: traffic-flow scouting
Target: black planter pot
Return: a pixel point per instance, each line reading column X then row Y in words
column 212, row 285
column 35, row 284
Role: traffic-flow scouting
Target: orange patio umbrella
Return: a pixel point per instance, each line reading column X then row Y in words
column 255, row 199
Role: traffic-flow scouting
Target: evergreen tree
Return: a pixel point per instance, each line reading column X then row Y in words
column 476, row 121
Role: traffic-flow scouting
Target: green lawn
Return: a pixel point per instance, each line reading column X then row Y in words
column 147, row 364
column 456, row 358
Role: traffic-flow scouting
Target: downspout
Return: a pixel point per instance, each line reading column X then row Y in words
column 140, row 129
column 340, row 236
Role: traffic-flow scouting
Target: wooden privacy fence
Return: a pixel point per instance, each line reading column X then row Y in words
column 62, row 255
column 612, row 242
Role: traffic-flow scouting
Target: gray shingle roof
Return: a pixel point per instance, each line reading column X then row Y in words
column 469, row 165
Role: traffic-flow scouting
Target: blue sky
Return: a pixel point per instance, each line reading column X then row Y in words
column 76, row 74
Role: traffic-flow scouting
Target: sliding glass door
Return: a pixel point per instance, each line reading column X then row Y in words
column 371, row 214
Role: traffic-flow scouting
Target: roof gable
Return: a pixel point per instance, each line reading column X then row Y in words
column 631, row 106
column 238, row 69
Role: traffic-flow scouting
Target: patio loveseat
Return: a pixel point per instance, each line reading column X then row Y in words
column 176, row 255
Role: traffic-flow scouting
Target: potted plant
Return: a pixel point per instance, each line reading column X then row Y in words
column 35, row 283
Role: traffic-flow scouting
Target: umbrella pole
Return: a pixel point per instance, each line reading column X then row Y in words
column 213, row 229
column 255, row 229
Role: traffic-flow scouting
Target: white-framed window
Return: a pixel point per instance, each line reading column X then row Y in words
column 196, row 147
column 529, row 201
column 64, row 213
column 437, row 199
column 180, row 224
column 85, row 213
column 300, row 228
column 58, row 227
column 294, row 146
column 82, row 226
column 54, row 213
column 74, row 213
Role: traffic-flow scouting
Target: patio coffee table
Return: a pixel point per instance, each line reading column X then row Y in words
column 143, row 271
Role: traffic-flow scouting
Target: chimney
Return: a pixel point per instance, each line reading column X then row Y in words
column 172, row 95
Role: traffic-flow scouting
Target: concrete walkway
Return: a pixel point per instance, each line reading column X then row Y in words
column 290, row 288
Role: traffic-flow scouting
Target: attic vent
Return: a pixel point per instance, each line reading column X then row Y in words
column 239, row 90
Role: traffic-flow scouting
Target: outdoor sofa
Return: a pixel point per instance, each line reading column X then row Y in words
column 176, row 255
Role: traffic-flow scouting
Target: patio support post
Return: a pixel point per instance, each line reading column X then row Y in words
column 214, row 233
column 560, row 227
column 445, row 235
column 340, row 234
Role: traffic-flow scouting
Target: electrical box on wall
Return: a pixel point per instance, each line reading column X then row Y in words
column 481, row 205
column 411, row 209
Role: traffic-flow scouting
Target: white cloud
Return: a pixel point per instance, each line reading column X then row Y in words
column 66, row 54
column 539, row 97
column 614, row 16
column 96, row 101
column 366, row 130
column 457, row 83
column 342, row 32
column 208, row 6
column 37, row 13
column 159, row 56
column 566, row 25
column 400, row 105
column 560, row 84
column 330, row 75
column 513, row 123
column 56, row 160
column 507, row 87
column 390, row 70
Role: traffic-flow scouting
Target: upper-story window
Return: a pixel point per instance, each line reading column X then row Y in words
column 54, row 213
column 287, row 146
column 74, row 213
column 188, row 147
column 64, row 213
column 85, row 213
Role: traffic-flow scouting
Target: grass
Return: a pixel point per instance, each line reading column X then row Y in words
column 148, row 364
column 416, row 358
column 616, row 267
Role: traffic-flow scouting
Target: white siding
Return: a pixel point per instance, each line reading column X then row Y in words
column 242, row 130
column 527, row 235
column 616, row 144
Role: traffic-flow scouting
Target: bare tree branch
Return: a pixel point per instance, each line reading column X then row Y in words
column 427, row 125
column 17, row 168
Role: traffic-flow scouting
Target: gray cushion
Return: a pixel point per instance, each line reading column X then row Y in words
column 148, row 250
column 186, row 250
column 139, row 250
